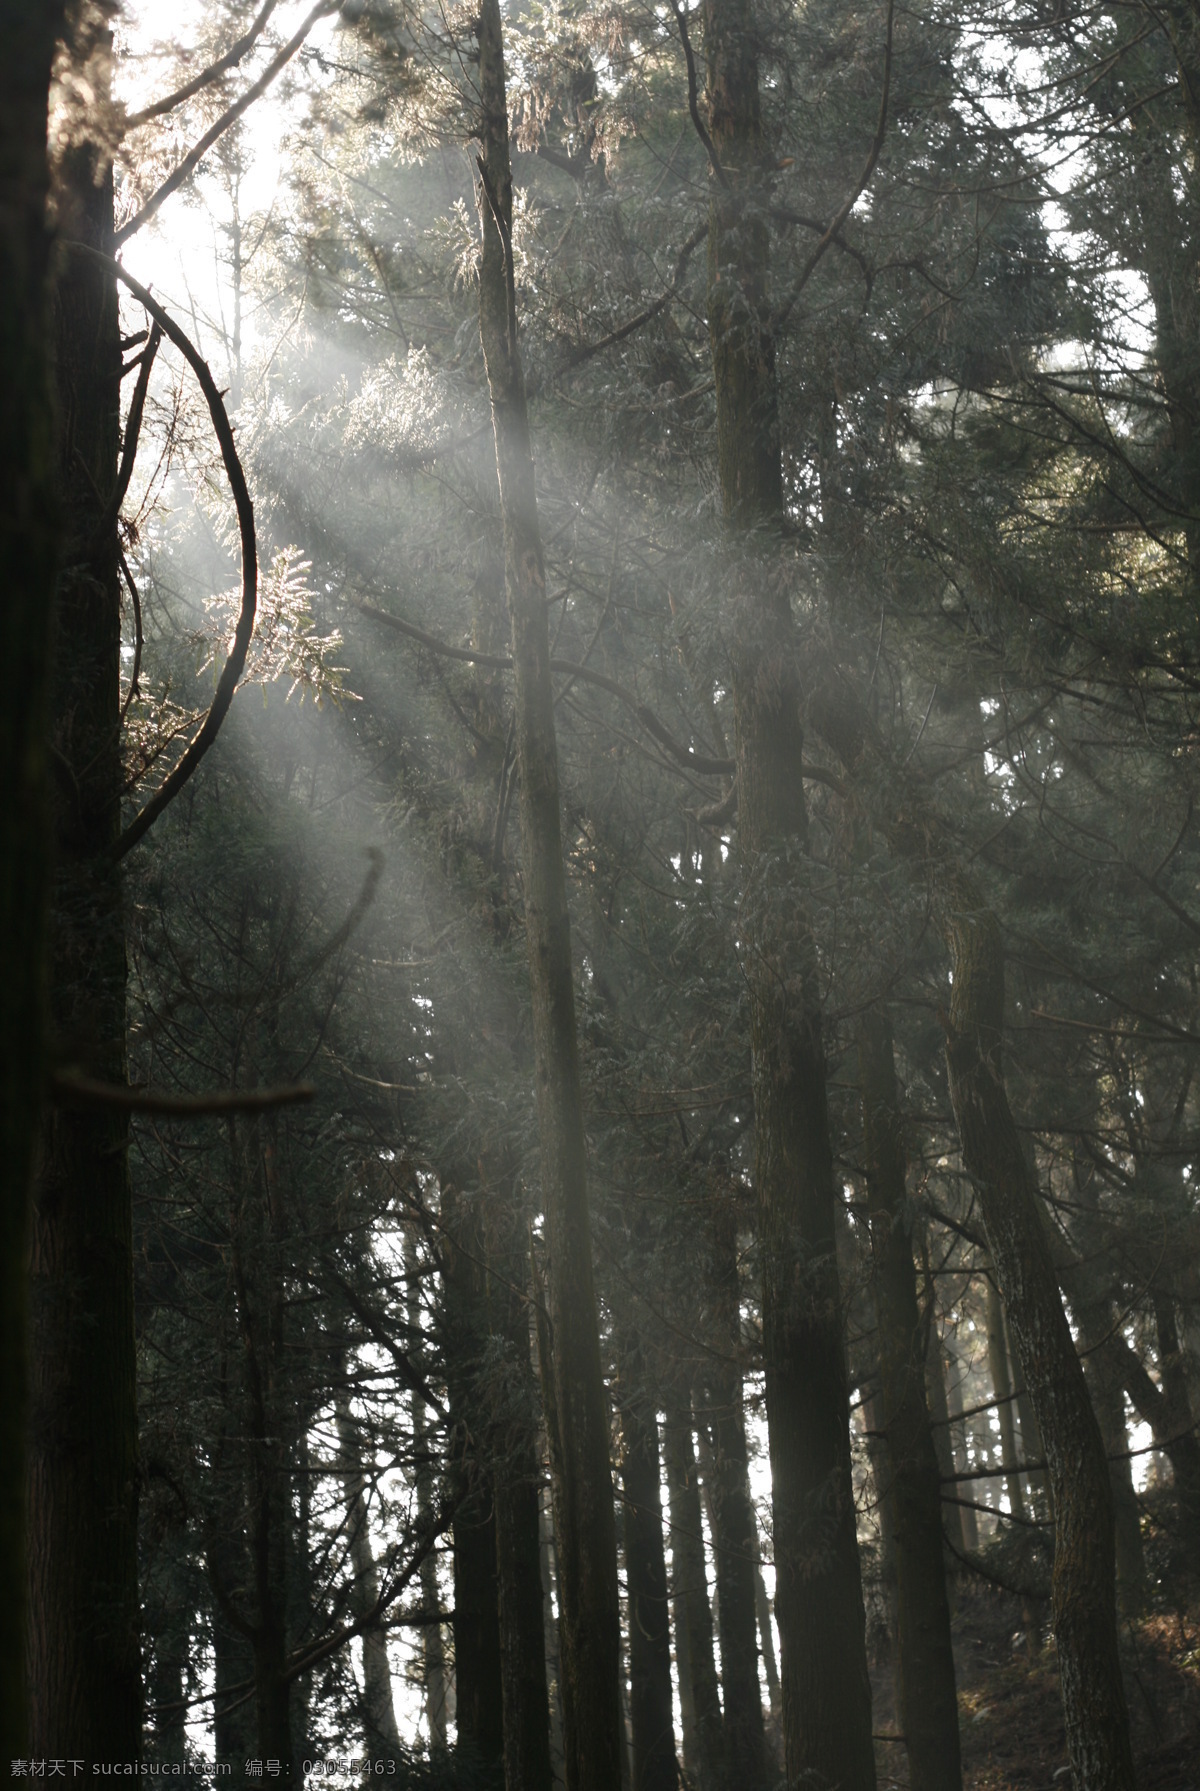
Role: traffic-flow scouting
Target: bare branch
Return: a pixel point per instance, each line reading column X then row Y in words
column 234, row 665
column 69, row 1090
column 207, row 76
column 714, row 159
column 194, row 155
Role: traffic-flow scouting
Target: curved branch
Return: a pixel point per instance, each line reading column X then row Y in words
column 207, row 76
column 234, row 665
column 85, row 1091
column 714, row 160
column 194, row 155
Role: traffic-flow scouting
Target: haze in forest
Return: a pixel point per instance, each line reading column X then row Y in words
column 598, row 882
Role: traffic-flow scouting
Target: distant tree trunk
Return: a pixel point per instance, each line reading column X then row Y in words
column 927, row 1697
column 84, row 1649
column 550, row 1631
column 380, row 1734
column 693, row 1614
column 28, row 544
column 590, row 1628
column 516, row 1477
column 818, row 1589
column 1002, row 1392
column 650, row 1694
column 954, row 1456
column 731, row 1515
column 766, row 1640
column 1085, row 1625
column 432, row 1644
column 477, row 1666
column 1084, row 1588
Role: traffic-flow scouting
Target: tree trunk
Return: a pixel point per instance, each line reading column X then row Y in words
column 950, row 1441
column 380, row 1735
column 926, row 1695
column 433, row 1651
column 590, row 1631
column 516, row 1476
column 84, row 1644
column 731, row 1516
column 818, row 1596
column 28, row 545
column 1002, row 1392
column 1085, row 1622
column 477, row 1666
column 650, row 1694
column 693, row 1614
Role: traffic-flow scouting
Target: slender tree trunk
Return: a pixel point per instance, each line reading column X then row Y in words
column 1085, row 1622
column 818, row 1596
column 693, row 1614
column 731, row 1515
column 926, row 1694
column 1002, row 1392
column 28, row 551
column 432, row 1644
column 84, row 1655
column 954, row 1456
column 590, row 1629
column 380, row 1734
column 650, row 1695
column 1084, row 1588
column 516, row 1476
column 477, row 1665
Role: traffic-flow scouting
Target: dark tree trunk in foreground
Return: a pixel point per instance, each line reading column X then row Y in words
column 84, row 1665
column 28, row 554
column 818, row 1598
column 590, row 1633
column 926, row 1695
column 693, row 1613
column 650, row 1694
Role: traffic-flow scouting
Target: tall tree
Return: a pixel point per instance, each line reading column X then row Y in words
column 84, row 1660
column 818, row 1600
column 27, row 544
column 587, row 1562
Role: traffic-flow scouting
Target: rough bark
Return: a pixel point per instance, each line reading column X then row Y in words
column 84, row 1658
column 28, row 550
column 587, row 1562
column 926, row 1694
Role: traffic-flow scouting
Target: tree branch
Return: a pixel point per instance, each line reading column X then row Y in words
column 68, row 1090
column 235, row 663
column 194, row 155
column 207, row 76
column 856, row 191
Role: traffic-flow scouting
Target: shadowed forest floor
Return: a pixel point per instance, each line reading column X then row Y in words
column 1012, row 1729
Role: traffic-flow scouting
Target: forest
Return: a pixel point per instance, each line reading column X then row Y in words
column 600, row 893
